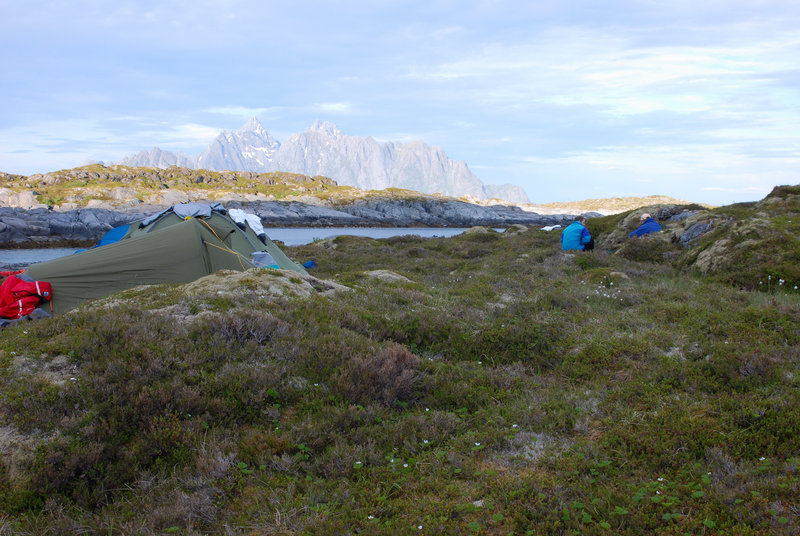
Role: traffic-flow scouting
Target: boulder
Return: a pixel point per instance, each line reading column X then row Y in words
column 387, row 276
column 26, row 199
column 21, row 227
column 67, row 223
column 695, row 231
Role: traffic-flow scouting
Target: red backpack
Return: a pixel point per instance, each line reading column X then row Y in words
column 19, row 297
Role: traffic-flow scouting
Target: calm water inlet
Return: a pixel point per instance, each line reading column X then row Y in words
column 291, row 236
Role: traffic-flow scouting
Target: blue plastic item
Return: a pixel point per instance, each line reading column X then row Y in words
column 114, row 235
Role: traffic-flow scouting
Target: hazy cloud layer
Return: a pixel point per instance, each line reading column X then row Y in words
column 576, row 99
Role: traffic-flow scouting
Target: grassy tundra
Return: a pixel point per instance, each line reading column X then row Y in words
column 482, row 384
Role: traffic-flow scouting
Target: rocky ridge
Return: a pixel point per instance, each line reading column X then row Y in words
column 323, row 149
column 45, row 227
column 77, row 206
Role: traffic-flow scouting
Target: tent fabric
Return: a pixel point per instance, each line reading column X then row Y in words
column 197, row 210
column 114, row 235
column 227, row 230
column 186, row 210
column 170, row 249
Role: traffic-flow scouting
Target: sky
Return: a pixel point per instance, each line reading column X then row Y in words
column 569, row 99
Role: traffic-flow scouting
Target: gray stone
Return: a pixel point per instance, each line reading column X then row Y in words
column 43, row 226
column 695, row 231
column 680, row 216
column 87, row 225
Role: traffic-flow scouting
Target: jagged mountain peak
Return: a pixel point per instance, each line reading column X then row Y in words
column 349, row 160
column 326, row 128
column 253, row 125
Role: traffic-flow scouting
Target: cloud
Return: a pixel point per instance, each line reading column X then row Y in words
column 72, row 142
column 49, row 145
column 746, row 189
column 127, row 118
column 242, row 111
column 334, row 107
column 684, row 171
column 617, row 75
column 190, row 134
column 699, row 96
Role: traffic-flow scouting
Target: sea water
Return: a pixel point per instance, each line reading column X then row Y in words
column 290, row 236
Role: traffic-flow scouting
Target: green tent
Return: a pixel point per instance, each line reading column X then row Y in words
column 171, row 247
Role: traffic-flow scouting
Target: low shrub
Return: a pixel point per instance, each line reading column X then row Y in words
column 652, row 249
column 522, row 389
column 240, row 326
column 390, row 376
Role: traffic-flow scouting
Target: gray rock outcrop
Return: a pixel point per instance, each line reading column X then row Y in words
column 26, row 199
column 42, row 227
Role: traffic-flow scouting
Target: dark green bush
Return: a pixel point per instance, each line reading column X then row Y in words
column 652, row 249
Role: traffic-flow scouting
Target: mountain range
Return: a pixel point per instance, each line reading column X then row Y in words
column 324, row 150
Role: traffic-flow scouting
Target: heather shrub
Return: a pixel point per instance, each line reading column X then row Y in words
column 784, row 191
column 389, row 376
column 257, row 446
column 240, row 326
column 651, row 248
column 508, row 387
column 592, row 259
column 246, row 391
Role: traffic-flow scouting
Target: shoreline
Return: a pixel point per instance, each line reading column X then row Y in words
column 42, row 227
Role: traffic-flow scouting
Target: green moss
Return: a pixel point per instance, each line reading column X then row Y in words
column 599, row 227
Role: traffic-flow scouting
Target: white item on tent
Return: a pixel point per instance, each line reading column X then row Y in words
column 240, row 216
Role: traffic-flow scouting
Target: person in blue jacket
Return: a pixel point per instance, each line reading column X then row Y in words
column 647, row 225
column 576, row 236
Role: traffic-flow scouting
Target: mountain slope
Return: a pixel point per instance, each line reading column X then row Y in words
column 250, row 148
